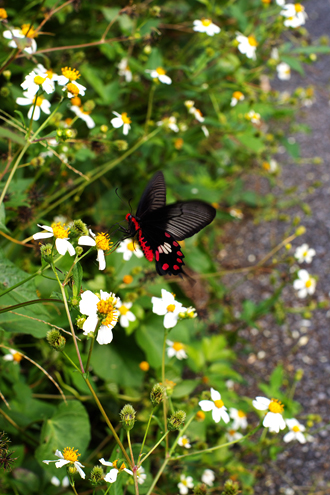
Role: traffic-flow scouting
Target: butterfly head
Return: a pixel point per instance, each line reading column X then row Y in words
column 128, row 217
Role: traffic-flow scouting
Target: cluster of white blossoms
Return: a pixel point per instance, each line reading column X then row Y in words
column 169, row 123
column 247, row 45
column 305, row 284
column 159, row 74
column 23, row 38
column 172, row 311
column 294, row 14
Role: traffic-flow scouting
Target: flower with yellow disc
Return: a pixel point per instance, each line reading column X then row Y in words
column 26, row 34
column 206, row 26
column 41, row 104
column 101, row 242
column 168, row 307
column 273, row 419
column 125, row 314
column 34, row 81
column 216, row 405
column 69, row 456
column 111, row 476
column 176, row 349
column 99, row 309
column 61, row 235
column 68, row 79
column 128, row 247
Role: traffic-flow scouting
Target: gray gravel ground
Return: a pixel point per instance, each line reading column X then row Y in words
column 300, row 469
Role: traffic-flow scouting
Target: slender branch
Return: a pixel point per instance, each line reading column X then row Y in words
column 15, row 240
column 163, row 383
column 154, row 447
column 145, row 435
column 11, row 175
column 18, row 428
column 28, row 303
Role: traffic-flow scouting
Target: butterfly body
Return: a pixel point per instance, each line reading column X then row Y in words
column 159, row 227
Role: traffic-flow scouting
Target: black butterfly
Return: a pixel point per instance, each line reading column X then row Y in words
column 160, row 227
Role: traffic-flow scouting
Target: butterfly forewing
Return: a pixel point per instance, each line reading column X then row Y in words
column 153, row 197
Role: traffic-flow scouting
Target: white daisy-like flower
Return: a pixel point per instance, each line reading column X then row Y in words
column 169, row 123
column 283, row 71
column 238, row 417
column 216, row 405
column 14, row 356
column 100, row 241
column 41, row 104
column 34, row 81
column 141, row 475
column 206, row 26
column 15, row 35
column 233, row 435
column 189, row 104
column 68, row 79
column 49, row 73
column 304, row 284
column 85, row 116
column 236, row 97
column 208, row 477
column 184, row 442
column 69, row 456
column 99, row 308
column 121, row 120
column 296, row 431
column 160, row 74
column 168, row 306
column 253, row 117
column 247, row 45
column 205, row 131
column 280, row 2
column 176, row 349
column 128, row 248
column 124, row 70
column 271, row 166
column 197, row 114
column 295, row 15
column 56, row 482
column 304, row 254
column 125, row 314
column 186, row 482
column 273, row 419
column 236, row 213
column 111, row 476
column 61, row 235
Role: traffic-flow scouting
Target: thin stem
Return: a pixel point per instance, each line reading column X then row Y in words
column 130, row 447
column 69, row 359
column 74, row 489
column 149, row 111
column 104, row 35
column 12, row 173
column 163, row 383
column 43, row 125
column 153, row 448
column 9, row 59
column 146, row 433
column 90, row 352
column 31, row 119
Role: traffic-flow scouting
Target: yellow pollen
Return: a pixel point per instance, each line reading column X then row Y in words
column 106, row 308
column 177, row 346
column 299, row 7
column 68, row 121
column 232, row 432
column 200, row 415
column 70, row 454
column 123, row 310
column 276, row 406
column 296, row 429
column 266, row 165
column 305, row 253
column 76, row 101
column 178, row 143
column 71, row 74
column 308, row 283
column 17, row 357
column 241, row 414
column 184, row 482
column 28, row 31
column 170, row 308
column 39, row 80
column 72, row 88
column 252, row 40
column 219, row 403
column 3, row 14
column 39, row 100
column 102, row 241
column 238, row 95
column 290, row 18
column 114, row 464
column 49, row 73
column 206, row 22
column 122, row 467
column 130, row 246
column 160, row 71
column 127, row 279
column 59, row 231
column 144, row 366
column 125, row 119
column 185, row 441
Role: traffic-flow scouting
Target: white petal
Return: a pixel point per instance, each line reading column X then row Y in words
column 117, row 122
column 104, row 335
column 206, row 405
column 62, row 80
column 42, row 235
column 111, row 476
column 85, row 240
column 289, row 437
column 61, row 463
column 88, row 303
column 101, row 259
column 159, row 306
column 24, row 101
column 224, row 415
column 216, row 414
column 80, row 471
column 215, row 395
column 170, row 320
column 90, row 324
column 261, row 403
column 105, row 463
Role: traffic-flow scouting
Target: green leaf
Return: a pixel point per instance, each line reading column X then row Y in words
column 12, row 136
column 214, row 347
column 294, row 63
column 3, row 219
column 184, row 388
column 77, row 274
column 251, row 142
column 150, row 338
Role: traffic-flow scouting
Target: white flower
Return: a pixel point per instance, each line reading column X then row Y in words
column 13, row 356
column 49, row 73
column 273, row 419
column 128, row 248
column 233, row 435
column 270, row 166
column 197, row 114
column 168, row 306
column 239, row 418
column 304, row 254
column 247, row 45
column 236, row 213
column 56, row 482
column 253, row 117
column 274, row 54
column 102, row 243
column 206, row 26
column 60, row 233
column 41, row 104
column 283, row 71
column 176, row 349
column 184, row 442
column 121, row 120
column 295, row 15
column 205, row 131
column 280, row 2
column 170, row 123
column 16, row 34
column 186, row 482
column 236, row 97
column 124, row 70
column 69, row 456
column 304, row 284
column 69, row 81
column 208, row 477
column 35, row 80
column 125, row 314
column 189, row 104
column 295, row 432
column 111, row 476
column 99, row 308
column 215, row 405
column 83, row 115
column 160, row 74
column 141, row 476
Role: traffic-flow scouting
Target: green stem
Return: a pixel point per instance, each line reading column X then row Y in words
column 43, row 125
column 146, row 433
column 90, row 351
column 149, row 111
column 153, row 448
column 163, row 383
column 31, row 119
column 11, row 175
column 130, row 447
column 69, row 359
column 28, row 303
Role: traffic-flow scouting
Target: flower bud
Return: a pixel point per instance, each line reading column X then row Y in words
column 147, row 49
column 4, row 92
column 46, row 251
column 104, row 128
column 55, row 339
column 200, row 489
column 121, row 144
column 230, row 488
column 177, row 420
column 78, row 228
column 89, row 106
column 97, row 475
column 79, row 250
column 144, row 366
column 127, row 279
column 38, row 161
column 157, row 394
column 80, row 321
column 7, row 74
column 72, row 469
column 300, row 230
column 127, row 417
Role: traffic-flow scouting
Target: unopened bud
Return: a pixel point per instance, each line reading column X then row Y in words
column 104, row 128
column 97, row 475
column 157, row 394
column 4, row 92
column 200, row 489
column 78, row 228
column 80, row 321
column 127, row 417
column 121, row 144
column 46, row 251
column 147, row 49
column 230, row 488
column 55, row 339
column 7, row 74
column 89, row 106
column 177, row 420
column 300, row 230
column 299, row 374
column 38, row 161
column 79, row 250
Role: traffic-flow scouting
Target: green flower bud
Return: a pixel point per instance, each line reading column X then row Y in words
column 200, row 489
column 80, row 321
column 155, row 11
column 89, row 106
column 301, row 230
column 157, row 394
column 79, row 250
column 121, row 144
column 55, row 339
column 46, row 251
column 78, row 228
column 147, row 49
column 230, row 488
column 299, row 374
column 104, row 128
column 38, row 161
column 4, row 92
column 127, row 417
column 177, row 420
column 97, row 475
column 70, row 133
column 75, row 301
column 7, row 74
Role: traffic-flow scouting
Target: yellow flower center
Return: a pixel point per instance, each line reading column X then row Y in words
column 305, row 253
column 266, row 165
column 276, row 406
column 184, row 482
column 40, row 99
column 114, row 464
column 103, row 241
column 200, row 415
column 71, row 74
column 299, row 7
column 39, row 80
column 59, row 231
column 28, row 31
column 219, row 403
column 70, row 454
column 232, row 432
column 76, row 101
column 130, row 246
column 206, row 22
column 177, row 346
column 178, row 143
column 252, row 40
column 3, row 14
column 49, row 73
column 125, row 119
column 72, row 88
column 170, row 308
column 185, row 441
column 68, row 121
column 127, row 279
column 238, row 95
column 107, row 310
column 308, row 283
column 144, row 366
column 17, row 357
column 122, row 467
column 160, row 71
column 296, row 429
column 241, row 414
column 123, row 310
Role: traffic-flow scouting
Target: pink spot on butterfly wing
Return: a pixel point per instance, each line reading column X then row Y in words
column 176, row 267
column 179, row 253
column 175, row 244
column 157, row 255
column 165, row 266
column 167, row 235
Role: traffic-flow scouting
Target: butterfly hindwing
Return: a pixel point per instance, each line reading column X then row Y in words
column 169, row 257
